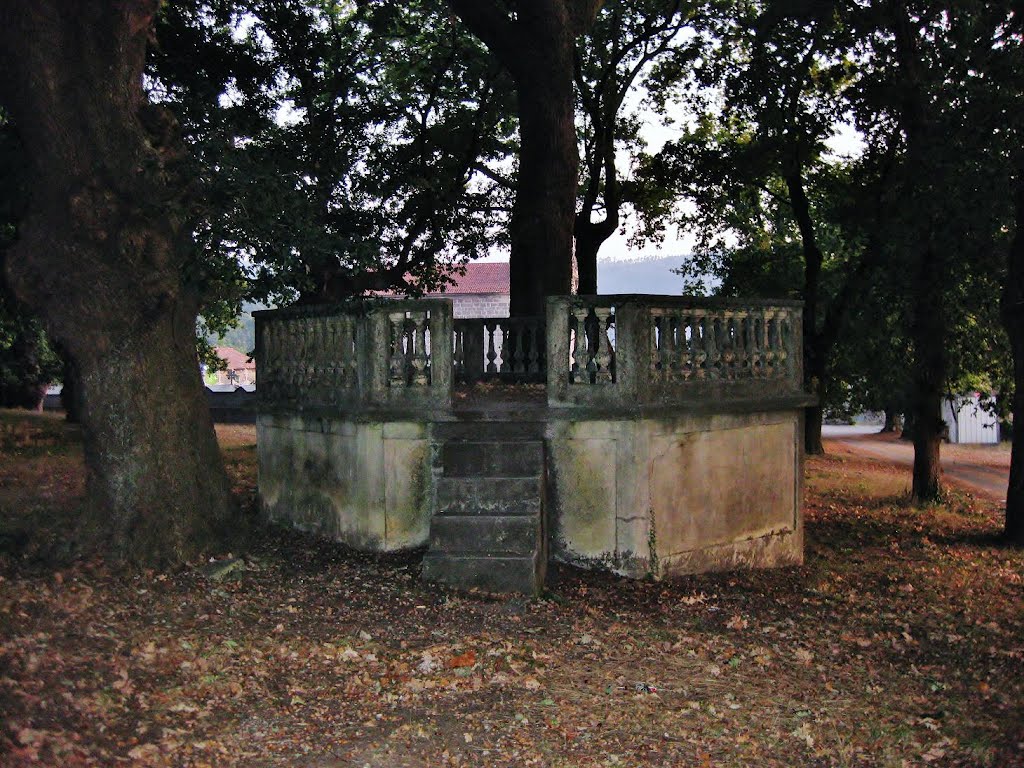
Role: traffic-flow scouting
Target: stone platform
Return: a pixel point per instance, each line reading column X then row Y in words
column 668, row 442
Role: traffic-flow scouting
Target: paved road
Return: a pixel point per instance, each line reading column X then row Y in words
column 984, row 470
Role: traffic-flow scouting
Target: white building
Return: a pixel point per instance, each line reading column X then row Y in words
column 968, row 421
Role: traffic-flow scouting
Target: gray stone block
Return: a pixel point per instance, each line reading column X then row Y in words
column 518, row 458
column 491, row 574
column 492, row 536
column 503, row 496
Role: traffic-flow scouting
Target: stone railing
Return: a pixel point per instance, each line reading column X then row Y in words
column 607, row 351
column 379, row 354
column 500, row 348
column 618, row 350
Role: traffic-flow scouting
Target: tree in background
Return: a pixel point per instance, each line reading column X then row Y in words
column 929, row 75
column 627, row 42
column 101, row 255
column 27, row 361
column 768, row 93
column 345, row 148
column 535, row 42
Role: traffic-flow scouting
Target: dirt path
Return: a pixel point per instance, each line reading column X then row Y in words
column 982, row 469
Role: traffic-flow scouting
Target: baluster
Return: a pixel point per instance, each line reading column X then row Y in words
column 681, row 349
column 755, row 322
column 785, row 339
column 534, row 352
column 603, row 350
column 492, row 353
column 655, row 343
column 459, row 354
column 695, row 345
column 419, row 360
column 505, row 366
column 580, row 356
column 771, row 354
column 518, row 339
column 668, row 347
column 711, row 336
column 728, row 345
column 396, row 360
column 348, row 351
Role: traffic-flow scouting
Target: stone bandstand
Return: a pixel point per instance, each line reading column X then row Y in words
column 648, row 435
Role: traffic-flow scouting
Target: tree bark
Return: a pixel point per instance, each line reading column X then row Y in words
column 589, row 238
column 541, row 230
column 536, row 46
column 101, row 256
column 1013, row 320
column 889, row 424
column 928, row 311
column 816, row 349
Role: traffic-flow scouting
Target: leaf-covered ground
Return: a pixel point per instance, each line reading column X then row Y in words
column 899, row 643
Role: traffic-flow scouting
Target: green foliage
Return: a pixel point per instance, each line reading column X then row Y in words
column 626, row 44
column 773, row 84
column 27, row 360
column 340, row 144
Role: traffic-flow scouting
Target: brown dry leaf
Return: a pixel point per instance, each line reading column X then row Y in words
column 467, row 659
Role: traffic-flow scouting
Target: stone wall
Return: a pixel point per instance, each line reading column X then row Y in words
column 672, row 427
column 677, row 494
column 366, row 484
column 470, row 305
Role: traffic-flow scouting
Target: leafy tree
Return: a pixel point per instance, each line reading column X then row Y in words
column 768, row 94
column 534, row 41
column 627, row 41
column 928, row 76
column 346, row 148
column 102, row 256
column 27, row 362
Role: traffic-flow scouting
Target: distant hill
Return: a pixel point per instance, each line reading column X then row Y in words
column 653, row 275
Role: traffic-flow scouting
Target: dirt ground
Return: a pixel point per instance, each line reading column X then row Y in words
column 900, row 642
column 979, row 469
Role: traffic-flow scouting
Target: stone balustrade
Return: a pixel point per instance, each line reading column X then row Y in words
column 500, row 348
column 607, row 351
column 646, row 350
column 671, row 440
column 374, row 354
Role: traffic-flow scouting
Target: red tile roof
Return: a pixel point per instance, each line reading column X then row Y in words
column 237, row 361
column 481, row 277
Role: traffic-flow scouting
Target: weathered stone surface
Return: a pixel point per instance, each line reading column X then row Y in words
column 492, row 535
column 511, row 458
column 655, row 497
column 491, row 574
column 347, row 481
column 487, row 531
column 667, row 439
column 488, row 496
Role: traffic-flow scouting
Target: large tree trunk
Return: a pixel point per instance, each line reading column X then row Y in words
column 541, row 230
column 889, row 425
column 928, row 310
column 589, row 238
column 535, row 44
column 101, row 256
column 928, row 328
column 816, row 348
column 1013, row 319
column 815, row 376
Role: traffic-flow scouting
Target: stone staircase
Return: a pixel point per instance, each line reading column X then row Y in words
column 487, row 528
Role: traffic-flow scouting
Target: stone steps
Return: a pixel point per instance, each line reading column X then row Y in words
column 486, row 531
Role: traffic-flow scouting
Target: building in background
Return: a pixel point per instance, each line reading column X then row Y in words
column 482, row 292
column 968, row 420
column 240, row 372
